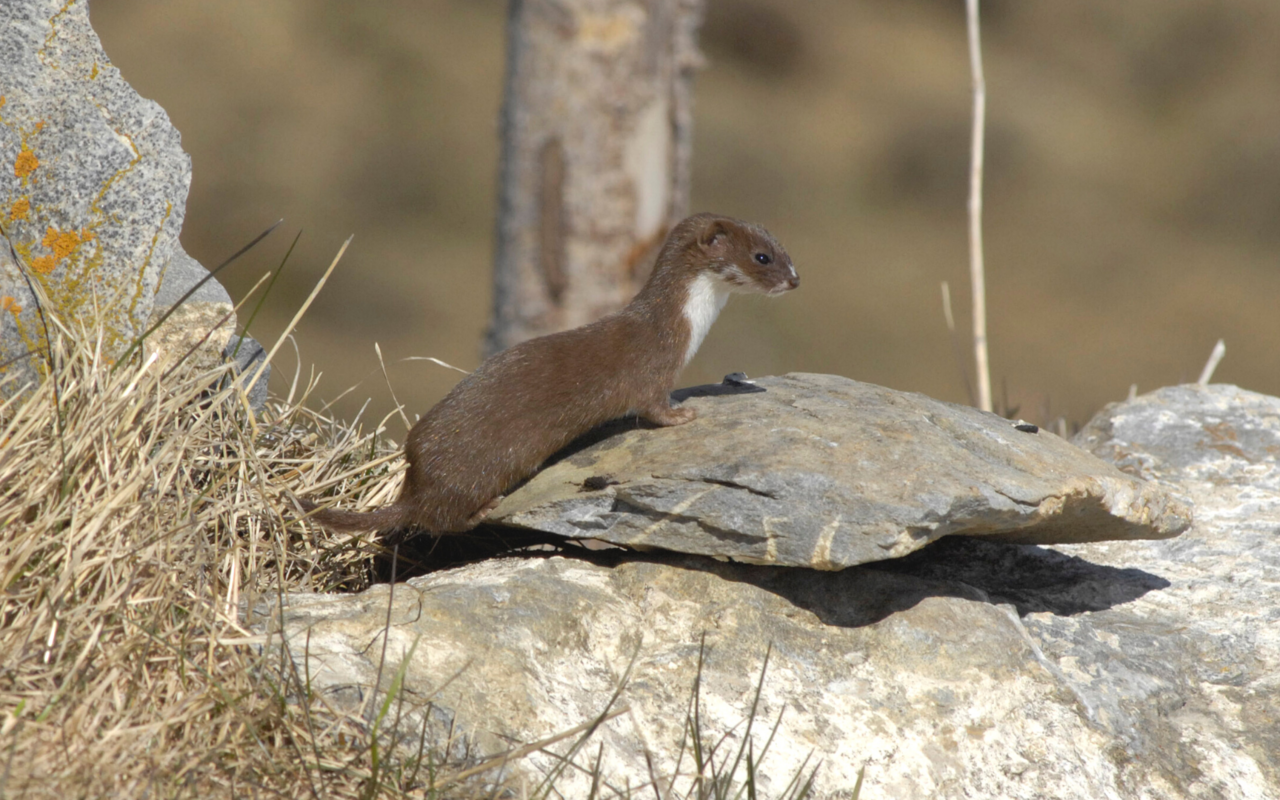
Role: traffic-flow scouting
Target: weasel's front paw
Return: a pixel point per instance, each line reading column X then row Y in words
column 671, row 416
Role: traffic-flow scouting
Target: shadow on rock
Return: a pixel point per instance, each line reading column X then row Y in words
column 1033, row 579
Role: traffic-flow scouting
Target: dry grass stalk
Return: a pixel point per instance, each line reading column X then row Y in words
column 1206, row 375
column 977, row 269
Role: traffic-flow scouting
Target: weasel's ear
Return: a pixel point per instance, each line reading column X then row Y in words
column 714, row 234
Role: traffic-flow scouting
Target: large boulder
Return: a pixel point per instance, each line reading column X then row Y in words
column 825, row 472
column 93, row 191
column 970, row 668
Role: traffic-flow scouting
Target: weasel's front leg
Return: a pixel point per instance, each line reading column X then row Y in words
column 663, row 414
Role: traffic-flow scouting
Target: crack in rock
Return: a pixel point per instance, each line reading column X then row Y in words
column 728, row 484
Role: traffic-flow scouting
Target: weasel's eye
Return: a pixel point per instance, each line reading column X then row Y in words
column 763, row 258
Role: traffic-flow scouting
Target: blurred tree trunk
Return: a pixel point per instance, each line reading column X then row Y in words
column 596, row 144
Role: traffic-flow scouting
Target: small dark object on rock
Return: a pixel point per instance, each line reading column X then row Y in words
column 597, row 482
column 733, row 383
column 1027, row 427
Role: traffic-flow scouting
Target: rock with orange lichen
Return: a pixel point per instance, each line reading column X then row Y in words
column 93, row 189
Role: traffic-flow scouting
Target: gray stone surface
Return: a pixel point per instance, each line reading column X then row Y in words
column 1232, row 438
column 201, row 326
column 93, row 179
column 1129, row 669
column 179, row 275
column 825, row 472
column 93, row 190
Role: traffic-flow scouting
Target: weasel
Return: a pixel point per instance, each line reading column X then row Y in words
column 501, row 422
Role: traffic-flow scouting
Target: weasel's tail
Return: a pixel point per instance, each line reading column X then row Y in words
column 393, row 516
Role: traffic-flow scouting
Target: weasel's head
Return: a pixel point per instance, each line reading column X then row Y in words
column 716, row 256
column 741, row 255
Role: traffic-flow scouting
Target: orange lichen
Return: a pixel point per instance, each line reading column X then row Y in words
column 10, row 304
column 19, row 209
column 26, row 163
column 61, row 243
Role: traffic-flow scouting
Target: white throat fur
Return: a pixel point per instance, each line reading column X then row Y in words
column 707, row 295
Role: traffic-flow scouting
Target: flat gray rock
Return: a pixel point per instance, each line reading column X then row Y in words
column 825, row 472
column 93, row 181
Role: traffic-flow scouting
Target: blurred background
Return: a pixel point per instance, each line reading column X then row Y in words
column 1132, row 186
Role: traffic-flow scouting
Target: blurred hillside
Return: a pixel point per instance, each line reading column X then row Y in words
column 1132, row 204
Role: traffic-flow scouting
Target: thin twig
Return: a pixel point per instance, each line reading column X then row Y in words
column 1219, row 350
column 436, row 361
column 274, row 276
column 976, row 268
column 399, row 408
column 55, row 373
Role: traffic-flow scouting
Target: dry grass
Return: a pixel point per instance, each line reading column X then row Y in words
column 140, row 513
